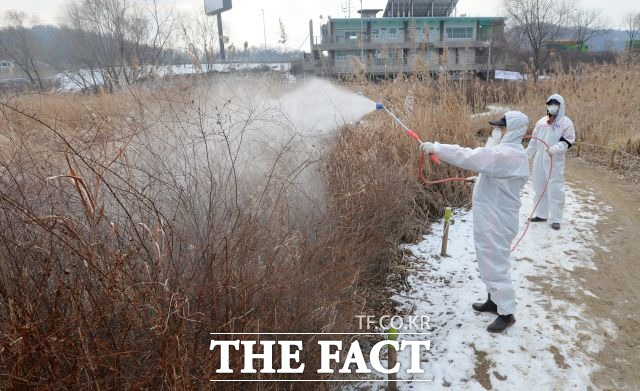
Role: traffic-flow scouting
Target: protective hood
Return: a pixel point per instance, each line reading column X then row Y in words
column 559, row 98
column 517, row 124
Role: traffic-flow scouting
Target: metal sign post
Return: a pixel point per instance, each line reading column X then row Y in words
column 217, row 7
column 223, row 56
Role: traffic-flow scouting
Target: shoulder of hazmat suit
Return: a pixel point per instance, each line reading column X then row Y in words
column 504, row 170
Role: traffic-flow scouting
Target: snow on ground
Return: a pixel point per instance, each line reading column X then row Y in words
column 492, row 110
column 550, row 347
column 511, row 75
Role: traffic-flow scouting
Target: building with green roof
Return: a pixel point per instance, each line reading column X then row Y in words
column 411, row 36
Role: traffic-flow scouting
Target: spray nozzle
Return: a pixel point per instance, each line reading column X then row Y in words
column 379, row 106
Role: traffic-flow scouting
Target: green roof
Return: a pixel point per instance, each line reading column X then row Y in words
column 427, row 18
column 357, row 22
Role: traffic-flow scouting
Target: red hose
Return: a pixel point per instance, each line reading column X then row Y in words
column 546, row 186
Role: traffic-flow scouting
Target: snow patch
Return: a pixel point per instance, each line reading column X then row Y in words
column 552, row 344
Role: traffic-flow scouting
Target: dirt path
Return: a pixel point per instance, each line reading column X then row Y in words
column 616, row 281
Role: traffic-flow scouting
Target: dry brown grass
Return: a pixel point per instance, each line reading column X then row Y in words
column 602, row 101
column 122, row 248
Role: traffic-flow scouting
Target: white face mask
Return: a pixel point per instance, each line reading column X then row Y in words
column 553, row 109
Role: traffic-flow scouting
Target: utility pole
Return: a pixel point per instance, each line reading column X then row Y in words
column 223, row 55
column 264, row 27
column 489, row 61
column 346, row 9
column 490, row 45
column 361, row 34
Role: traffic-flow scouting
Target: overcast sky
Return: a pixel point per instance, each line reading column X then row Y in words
column 244, row 22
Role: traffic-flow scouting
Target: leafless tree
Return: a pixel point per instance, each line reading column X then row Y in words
column 115, row 42
column 17, row 43
column 632, row 26
column 587, row 24
column 284, row 37
column 540, row 22
column 515, row 44
column 200, row 35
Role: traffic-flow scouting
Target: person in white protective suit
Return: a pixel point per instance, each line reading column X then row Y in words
column 504, row 170
column 557, row 130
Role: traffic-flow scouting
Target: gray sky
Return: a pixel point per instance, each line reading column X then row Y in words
column 244, row 21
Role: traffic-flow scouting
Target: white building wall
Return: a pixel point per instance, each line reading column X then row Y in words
column 467, row 56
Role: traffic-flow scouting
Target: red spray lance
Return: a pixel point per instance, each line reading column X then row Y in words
column 410, row 133
column 434, row 158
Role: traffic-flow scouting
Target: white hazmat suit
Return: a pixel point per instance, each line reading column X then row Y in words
column 504, row 170
column 560, row 135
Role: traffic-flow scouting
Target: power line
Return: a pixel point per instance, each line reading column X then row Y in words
column 303, row 42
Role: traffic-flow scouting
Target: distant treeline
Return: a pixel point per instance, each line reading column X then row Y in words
column 110, row 43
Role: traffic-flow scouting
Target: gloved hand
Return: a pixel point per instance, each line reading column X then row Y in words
column 494, row 139
column 531, row 152
column 427, row 148
column 553, row 150
column 471, row 179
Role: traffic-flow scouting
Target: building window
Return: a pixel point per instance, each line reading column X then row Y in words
column 351, row 36
column 384, row 33
column 459, row 32
column 419, row 33
column 377, row 34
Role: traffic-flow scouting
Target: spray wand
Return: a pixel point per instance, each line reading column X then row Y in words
column 434, row 158
column 379, row 106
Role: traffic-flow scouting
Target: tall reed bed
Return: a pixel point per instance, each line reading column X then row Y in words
column 602, row 100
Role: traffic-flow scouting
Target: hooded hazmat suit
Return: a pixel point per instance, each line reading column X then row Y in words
column 504, row 170
column 560, row 135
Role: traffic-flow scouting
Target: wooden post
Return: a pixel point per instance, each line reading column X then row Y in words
column 392, row 378
column 613, row 157
column 578, row 151
column 448, row 214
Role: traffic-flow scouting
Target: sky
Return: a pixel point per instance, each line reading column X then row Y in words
column 245, row 21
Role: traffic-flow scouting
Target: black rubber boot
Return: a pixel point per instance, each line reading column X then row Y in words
column 487, row 306
column 537, row 219
column 501, row 323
